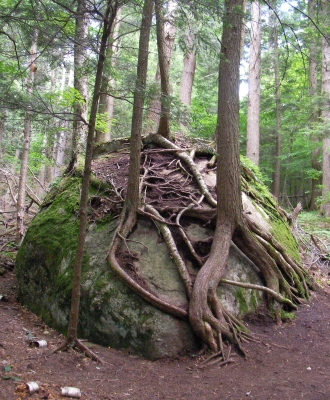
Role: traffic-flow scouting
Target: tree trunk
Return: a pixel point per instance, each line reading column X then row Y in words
column 80, row 80
column 326, row 114
column 314, row 48
column 277, row 167
column 133, row 193
column 106, row 100
column 61, row 136
column 205, row 317
column 108, row 20
column 188, row 74
column 165, row 40
column 2, row 129
column 253, row 128
column 26, row 144
column 189, row 67
column 164, row 68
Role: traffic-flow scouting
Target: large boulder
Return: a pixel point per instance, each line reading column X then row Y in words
column 111, row 314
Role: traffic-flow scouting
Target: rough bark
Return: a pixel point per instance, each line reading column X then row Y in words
column 313, row 49
column 164, row 68
column 253, row 118
column 132, row 201
column 277, row 167
column 326, row 113
column 165, row 38
column 2, row 128
column 106, row 100
column 189, row 67
column 71, row 340
column 26, row 143
column 205, row 314
column 79, row 132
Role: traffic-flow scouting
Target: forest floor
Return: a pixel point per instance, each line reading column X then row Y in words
column 290, row 361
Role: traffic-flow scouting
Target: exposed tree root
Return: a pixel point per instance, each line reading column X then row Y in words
column 286, row 282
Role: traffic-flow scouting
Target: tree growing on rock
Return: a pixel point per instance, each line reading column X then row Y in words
column 285, row 279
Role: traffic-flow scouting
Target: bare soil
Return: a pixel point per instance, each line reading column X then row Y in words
column 290, row 361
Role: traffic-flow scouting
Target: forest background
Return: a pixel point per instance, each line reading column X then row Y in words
column 48, row 67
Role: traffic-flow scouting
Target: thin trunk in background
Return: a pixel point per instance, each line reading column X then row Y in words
column 26, row 143
column 106, row 100
column 253, row 117
column 313, row 49
column 325, row 7
column 165, row 39
column 79, row 133
column 188, row 72
column 61, row 140
column 164, row 68
column 2, row 129
column 277, row 167
column 189, row 67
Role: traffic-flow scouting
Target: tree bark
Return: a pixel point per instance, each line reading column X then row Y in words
column 253, row 118
column 189, row 67
column 164, row 68
column 106, row 100
column 2, row 129
column 326, row 112
column 108, row 20
column 79, row 132
column 133, row 193
column 26, row 143
column 205, row 317
column 314, row 48
column 278, row 147
column 165, row 40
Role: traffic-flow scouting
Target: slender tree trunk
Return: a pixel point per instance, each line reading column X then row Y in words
column 164, row 68
column 132, row 201
column 26, row 144
column 277, row 168
column 189, row 67
column 165, row 40
column 61, row 141
column 326, row 111
column 253, row 118
column 2, row 129
column 106, row 100
column 80, row 80
column 188, row 74
column 108, row 20
column 314, row 48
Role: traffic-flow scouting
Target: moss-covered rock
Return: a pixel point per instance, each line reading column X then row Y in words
column 110, row 313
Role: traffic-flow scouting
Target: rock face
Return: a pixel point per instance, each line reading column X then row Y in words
column 110, row 313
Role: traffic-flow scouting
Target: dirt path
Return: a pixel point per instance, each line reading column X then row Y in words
column 290, row 362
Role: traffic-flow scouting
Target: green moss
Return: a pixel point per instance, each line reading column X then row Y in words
column 240, row 299
column 44, row 263
column 282, row 233
column 287, row 316
column 254, row 187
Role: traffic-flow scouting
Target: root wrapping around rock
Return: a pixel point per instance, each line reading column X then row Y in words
column 285, row 279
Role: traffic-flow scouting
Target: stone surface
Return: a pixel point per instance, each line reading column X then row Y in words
column 110, row 313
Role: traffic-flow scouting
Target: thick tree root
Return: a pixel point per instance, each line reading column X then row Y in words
column 285, row 280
